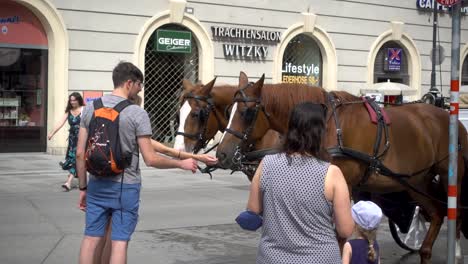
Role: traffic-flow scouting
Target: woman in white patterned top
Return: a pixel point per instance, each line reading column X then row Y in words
column 304, row 199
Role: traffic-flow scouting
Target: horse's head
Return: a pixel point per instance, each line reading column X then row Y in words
column 248, row 123
column 197, row 121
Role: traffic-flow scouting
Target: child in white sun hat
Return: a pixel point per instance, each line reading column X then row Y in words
column 364, row 249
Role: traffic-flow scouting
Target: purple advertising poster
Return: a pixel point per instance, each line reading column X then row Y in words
column 394, row 59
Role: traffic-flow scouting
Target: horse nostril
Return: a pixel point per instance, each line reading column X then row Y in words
column 222, row 156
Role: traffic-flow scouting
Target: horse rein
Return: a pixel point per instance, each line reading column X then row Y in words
column 238, row 156
column 204, row 114
column 375, row 164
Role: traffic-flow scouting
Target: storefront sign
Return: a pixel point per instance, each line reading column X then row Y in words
column 393, row 59
column 428, row 5
column 244, row 33
column 245, row 50
column 302, row 74
column 9, row 20
column 19, row 26
column 448, row 2
column 173, row 41
column 89, row 96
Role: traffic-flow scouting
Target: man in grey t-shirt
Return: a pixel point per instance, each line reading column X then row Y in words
column 112, row 198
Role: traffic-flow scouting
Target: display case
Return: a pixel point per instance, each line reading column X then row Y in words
column 9, row 111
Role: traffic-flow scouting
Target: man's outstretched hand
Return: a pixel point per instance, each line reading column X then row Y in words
column 188, row 164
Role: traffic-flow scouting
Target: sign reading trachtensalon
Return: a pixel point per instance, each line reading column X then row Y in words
column 244, row 40
column 173, row 41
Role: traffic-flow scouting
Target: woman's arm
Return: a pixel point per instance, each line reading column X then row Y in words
column 58, row 126
column 344, row 222
column 347, row 253
column 255, row 203
column 161, row 148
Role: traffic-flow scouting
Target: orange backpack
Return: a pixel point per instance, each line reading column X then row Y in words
column 104, row 157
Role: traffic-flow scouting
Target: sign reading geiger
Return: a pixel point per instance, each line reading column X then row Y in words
column 173, row 41
column 448, row 2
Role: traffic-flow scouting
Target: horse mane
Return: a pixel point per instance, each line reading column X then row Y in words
column 345, row 96
column 279, row 99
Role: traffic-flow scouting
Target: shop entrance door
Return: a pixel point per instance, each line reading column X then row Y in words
column 164, row 72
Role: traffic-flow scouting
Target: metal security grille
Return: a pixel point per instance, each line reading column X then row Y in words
column 164, row 73
column 302, row 61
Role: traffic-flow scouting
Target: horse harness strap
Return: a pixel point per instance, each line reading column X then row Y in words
column 374, row 161
column 204, row 115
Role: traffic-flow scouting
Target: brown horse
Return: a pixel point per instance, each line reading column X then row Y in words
column 203, row 113
column 417, row 137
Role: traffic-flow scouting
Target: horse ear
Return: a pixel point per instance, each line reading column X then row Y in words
column 188, row 86
column 206, row 89
column 259, row 85
column 243, row 80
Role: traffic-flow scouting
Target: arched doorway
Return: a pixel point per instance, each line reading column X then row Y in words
column 302, row 61
column 23, row 80
column 166, row 65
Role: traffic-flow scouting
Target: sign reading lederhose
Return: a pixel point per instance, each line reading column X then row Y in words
column 173, row 41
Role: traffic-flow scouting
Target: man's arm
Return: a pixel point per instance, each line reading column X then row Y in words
column 161, row 148
column 153, row 160
column 81, row 167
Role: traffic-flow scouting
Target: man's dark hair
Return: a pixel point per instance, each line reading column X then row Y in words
column 126, row 71
column 306, row 130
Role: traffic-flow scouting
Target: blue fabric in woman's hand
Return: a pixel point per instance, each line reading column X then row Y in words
column 249, row 220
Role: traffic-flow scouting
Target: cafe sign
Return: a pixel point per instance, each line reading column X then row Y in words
column 173, row 41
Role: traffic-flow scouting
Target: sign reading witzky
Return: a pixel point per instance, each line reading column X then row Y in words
column 173, row 41
column 448, row 2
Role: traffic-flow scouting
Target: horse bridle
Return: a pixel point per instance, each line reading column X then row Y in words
column 203, row 117
column 244, row 136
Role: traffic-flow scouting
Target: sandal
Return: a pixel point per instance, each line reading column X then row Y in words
column 65, row 186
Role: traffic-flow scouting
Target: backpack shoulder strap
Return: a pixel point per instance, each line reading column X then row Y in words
column 98, row 104
column 121, row 106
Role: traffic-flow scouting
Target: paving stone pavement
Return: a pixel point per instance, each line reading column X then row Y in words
column 184, row 218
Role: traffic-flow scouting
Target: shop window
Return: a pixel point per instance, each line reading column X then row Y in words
column 391, row 64
column 302, row 62
column 23, row 74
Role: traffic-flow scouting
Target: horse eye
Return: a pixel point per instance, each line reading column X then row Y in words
column 194, row 114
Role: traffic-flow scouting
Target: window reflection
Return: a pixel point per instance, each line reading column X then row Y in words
column 23, row 74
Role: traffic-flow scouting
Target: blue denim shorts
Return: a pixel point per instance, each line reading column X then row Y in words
column 106, row 200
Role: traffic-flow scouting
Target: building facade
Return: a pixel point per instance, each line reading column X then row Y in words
column 51, row 48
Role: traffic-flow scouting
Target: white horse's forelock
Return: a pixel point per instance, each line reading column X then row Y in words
column 185, row 110
column 233, row 111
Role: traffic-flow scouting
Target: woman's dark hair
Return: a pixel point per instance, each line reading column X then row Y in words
column 306, row 129
column 126, row 71
column 77, row 97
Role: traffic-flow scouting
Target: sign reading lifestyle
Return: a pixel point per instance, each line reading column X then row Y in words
column 245, row 50
column 303, row 74
column 173, row 41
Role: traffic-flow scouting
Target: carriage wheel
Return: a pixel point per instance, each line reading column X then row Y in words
column 412, row 240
